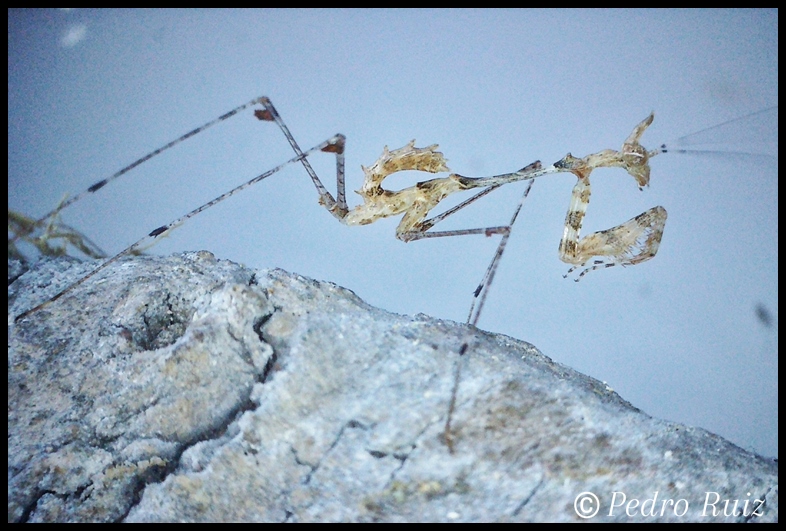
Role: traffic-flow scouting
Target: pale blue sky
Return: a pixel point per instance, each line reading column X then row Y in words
column 678, row 336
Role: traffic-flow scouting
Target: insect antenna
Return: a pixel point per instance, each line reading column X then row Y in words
column 751, row 135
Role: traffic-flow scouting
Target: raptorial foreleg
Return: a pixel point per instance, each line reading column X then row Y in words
column 635, row 241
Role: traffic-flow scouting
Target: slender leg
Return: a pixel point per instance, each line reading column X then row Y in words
column 336, row 207
column 530, row 172
column 103, row 182
column 482, row 290
column 474, row 315
column 427, row 224
column 150, row 239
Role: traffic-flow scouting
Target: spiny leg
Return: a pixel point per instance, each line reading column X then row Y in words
column 635, row 241
column 579, row 201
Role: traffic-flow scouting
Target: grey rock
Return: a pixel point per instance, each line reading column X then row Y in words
column 190, row 388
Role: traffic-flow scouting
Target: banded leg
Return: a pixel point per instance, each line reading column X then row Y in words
column 151, row 238
column 337, row 207
column 635, row 241
column 29, row 228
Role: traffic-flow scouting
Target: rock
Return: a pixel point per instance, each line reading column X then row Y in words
column 190, row 388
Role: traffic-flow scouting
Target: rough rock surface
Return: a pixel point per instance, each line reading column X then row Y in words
column 190, row 388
